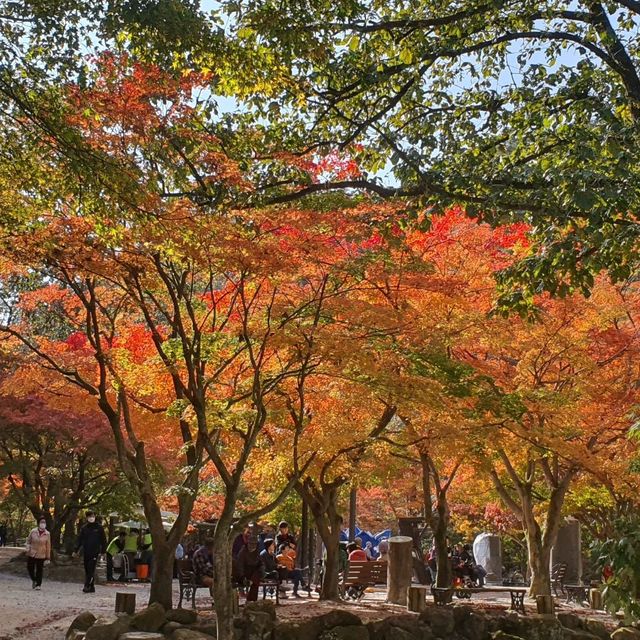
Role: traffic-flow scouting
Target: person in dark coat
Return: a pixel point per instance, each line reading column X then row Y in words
column 284, row 537
column 250, row 567
column 93, row 542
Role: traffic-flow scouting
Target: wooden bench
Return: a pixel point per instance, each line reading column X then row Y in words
column 188, row 581
column 444, row 596
column 558, row 572
column 360, row 575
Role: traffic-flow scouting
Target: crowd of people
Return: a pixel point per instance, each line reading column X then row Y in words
column 259, row 554
column 256, row 557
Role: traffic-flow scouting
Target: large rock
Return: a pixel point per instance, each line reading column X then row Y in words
column 350, row 632
column 625, row 633
column 255, row 625
column 149, row 619
column 208, row 628
column 305, row 630
column 397, row 628
column 183, row 616
column 81, row 623
column 190, row 634
column 75, row 634
column 531, row 628
column 473, row 627
column 339, row 618
column 104, row 629
column 569, row 620
column 141, row 635
column 597, row 628
column 264, row 606
column 169, row 627
column 501, row 635
column 440, row 619
column 578, row 634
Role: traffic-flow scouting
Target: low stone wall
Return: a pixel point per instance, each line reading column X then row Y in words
column 258, row 621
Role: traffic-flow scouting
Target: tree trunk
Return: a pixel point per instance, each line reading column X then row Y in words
column 323, row 506
column 304, row 536
column 330, row 579
column 539, row 560
column 70, row 534
column 222, row 586
column 400, row 569
column 444, row 575
column 353, row 502
column 164, row 547
column 162, row 570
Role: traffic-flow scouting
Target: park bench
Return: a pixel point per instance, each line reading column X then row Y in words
column 558, row 572
column 188, row 582
column 577, row 593
column 443, row 596
column 270, row 586
column 360, row 575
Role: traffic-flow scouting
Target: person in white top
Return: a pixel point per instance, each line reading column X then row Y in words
column 38, row 551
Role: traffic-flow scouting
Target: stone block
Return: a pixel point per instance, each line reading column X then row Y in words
column 141, row 635
column 568, row 549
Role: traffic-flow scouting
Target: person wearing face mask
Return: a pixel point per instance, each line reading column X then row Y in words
column 93, row 542
column 38, row 550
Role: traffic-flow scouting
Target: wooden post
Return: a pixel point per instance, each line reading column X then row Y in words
column 595, row 599
column 400, row 569
column 353, row 500
column 416, row 598
column 125, row 602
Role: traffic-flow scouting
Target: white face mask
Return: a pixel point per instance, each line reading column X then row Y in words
column 42, row 526
column 91, row 519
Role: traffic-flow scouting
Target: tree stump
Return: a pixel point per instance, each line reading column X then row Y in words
column 125, row 602
column 400, row 569
column 416, row 598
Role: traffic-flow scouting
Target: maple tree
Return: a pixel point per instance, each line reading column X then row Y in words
column 57, row 464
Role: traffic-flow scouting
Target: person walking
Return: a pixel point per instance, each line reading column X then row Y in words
column 93, row 542
column 38, row 551
column 3, row 535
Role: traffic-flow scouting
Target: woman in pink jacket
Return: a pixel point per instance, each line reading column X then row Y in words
column 38, row 550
